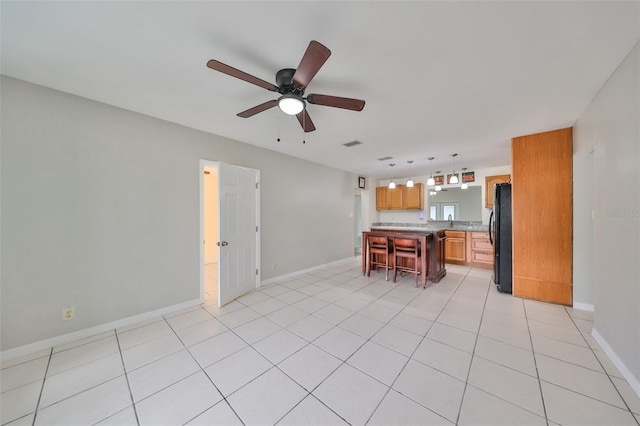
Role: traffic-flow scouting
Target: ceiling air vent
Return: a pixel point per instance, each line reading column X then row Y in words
column 350, row 144
column 384, row 158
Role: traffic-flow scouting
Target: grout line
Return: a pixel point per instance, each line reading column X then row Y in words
column 410, row 357
column 126, row 376
column 475, row 343
column 224, row 398
column 624, row 401
column 44, row 380
column 535, row 362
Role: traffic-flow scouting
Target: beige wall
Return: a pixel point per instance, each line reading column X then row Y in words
column 101, row 210
column 607, row 141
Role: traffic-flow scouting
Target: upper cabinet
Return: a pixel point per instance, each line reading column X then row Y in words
column 382, row 198
column 489, row 182
column 413, row 198
column 400, row 198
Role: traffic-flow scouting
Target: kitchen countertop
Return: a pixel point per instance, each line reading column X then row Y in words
column 432, row 227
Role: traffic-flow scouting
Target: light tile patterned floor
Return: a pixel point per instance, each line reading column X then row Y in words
column 332, row 347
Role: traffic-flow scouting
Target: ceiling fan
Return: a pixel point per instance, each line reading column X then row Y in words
column 291, row 84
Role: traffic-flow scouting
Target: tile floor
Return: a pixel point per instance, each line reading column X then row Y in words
column 333, row 347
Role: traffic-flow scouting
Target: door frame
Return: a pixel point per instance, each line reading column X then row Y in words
column 201, row 168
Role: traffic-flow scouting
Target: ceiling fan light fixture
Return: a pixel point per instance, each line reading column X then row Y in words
column 291, row 104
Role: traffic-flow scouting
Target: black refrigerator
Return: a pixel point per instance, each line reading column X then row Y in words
column 500, row 236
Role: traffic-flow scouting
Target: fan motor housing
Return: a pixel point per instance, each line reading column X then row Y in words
column 284, row 80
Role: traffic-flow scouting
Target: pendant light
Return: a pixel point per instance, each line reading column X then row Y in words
column 431, row 181
column 392, row 184
column 454, row 177
column 464, row 184
column 438, row 187
column 410, row 181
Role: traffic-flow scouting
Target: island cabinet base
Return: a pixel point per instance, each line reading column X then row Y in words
column 432, row 246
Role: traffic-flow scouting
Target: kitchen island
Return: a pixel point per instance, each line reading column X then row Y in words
column 432, row 248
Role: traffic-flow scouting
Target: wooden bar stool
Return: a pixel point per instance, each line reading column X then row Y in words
column 380, row 255
column 406, row 257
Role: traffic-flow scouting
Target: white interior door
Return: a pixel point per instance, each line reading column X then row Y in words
column 238, row 232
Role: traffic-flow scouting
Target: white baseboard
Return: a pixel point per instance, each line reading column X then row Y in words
column 304, row 271
column 633, row 381
column 87, row 332
column 583, row 306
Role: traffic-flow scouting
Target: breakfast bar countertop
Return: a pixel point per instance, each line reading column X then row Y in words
column 432, row 226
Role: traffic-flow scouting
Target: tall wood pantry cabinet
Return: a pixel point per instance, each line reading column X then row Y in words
column 542, row 211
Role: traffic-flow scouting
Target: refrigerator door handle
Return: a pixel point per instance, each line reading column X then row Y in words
column 490, row 220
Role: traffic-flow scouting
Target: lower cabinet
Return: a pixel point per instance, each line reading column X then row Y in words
column 470, row 248
column 455, row 247
column 480, row 249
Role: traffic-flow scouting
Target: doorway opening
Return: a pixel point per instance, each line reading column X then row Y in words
column 229, row 231
column 209, row 281
column 357, row 223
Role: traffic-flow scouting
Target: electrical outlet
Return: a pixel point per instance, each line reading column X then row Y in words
column 68, row 313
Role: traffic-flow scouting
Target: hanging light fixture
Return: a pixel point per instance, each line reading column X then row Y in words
column 431, row 181
column 464, row 184
column 438, row 187
column 454, row 177
column 392, row 184
column 410, row 181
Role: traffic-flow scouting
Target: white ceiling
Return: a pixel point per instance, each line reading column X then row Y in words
column 437, row 77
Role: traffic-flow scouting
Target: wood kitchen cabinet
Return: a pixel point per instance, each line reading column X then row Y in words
column 542, row 213
column 413, row 198
column 396, row 198
column 480, row 250
column 489, row 182
column 400, row 198
column 455, row 247
column 469, row 248
column 382, row 198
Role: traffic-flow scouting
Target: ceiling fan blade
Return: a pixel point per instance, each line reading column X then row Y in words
column 233, row 72
column 336, row 102
column 258, row 108
column 313, row 59
column 305, row 121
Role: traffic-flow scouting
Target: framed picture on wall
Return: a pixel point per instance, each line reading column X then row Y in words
column 468, row 177
column 449, row 176
column 439, row 180
column 361, row 182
